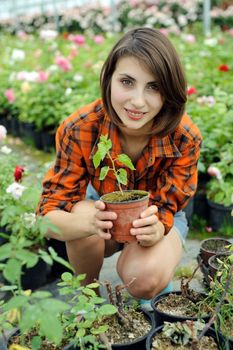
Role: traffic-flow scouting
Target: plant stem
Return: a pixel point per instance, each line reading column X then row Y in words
column 218, row 306
column 115, row 171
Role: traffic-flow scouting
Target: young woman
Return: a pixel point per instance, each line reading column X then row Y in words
column 143, row 112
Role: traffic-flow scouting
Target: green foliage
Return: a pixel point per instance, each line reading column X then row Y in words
column 183, row 333
column 104, row 147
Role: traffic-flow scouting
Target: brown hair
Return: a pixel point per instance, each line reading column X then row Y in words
column 159, row 55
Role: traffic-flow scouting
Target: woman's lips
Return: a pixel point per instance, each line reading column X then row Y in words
column 134, row 115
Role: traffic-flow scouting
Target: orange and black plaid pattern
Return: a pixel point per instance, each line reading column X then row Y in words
column 167, row 167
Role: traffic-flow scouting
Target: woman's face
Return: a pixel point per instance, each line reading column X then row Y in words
column 135, row 95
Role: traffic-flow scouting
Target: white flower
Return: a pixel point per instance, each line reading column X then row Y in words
column 78, row 78
column 17, row 55
column 29, row 219
column 211, row 42
column 214, row 171
column 16, row 190
column 3, row 132
column 6, row 150
column 68, row 91
column 48, row 34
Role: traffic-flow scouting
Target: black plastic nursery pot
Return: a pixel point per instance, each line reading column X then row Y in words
column 137, row 344
column 213, row 246
column 161, row 317
column 218, row 337
column 214, row 265
column 219, row 215
column 35, row 277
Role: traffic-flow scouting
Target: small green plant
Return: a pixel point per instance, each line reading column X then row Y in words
column 104, row 147
column 183, row 333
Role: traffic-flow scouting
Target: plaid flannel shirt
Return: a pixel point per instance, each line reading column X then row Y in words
column 167, row 167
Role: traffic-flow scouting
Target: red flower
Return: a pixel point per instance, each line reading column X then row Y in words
column 192, row 90
column 224, row 68
column 18, row 173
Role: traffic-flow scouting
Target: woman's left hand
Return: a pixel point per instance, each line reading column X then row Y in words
column 148, row 229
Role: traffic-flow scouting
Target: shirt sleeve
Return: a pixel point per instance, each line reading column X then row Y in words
column 176, row 184
column 65, row 183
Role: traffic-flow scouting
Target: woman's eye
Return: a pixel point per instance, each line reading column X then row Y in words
column 153, row 87
column 126, row 82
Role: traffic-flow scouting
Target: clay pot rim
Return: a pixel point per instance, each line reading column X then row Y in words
column 127, row 201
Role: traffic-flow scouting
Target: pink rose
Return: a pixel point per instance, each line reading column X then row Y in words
column 99, row 39
column 79, row 39
column 63, row 63
column 9, row 93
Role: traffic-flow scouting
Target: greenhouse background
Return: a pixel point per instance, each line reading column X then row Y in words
column 51, row 57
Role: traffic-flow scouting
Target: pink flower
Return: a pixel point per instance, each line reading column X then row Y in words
column 42, row 76
column 191, row 90
column 209, row 229
column 223, row 68
column 73, row 52
column 63, row 63
column 9, row 93
column 214, row 171
column 18, row 173
column 99, row 39
column 190, row 38
column 164, row 31
column 3, row 132
column 79, row 39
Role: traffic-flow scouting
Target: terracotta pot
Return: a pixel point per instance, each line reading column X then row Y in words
column 213, row 246
column 127, row 212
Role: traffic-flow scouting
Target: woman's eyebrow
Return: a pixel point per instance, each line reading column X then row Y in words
column 127, row 76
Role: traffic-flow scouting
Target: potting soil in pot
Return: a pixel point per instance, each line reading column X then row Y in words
column 178, row 305
column 162, row 343
column 135, row 327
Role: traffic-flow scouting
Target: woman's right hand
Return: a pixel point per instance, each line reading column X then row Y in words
column 103, row 220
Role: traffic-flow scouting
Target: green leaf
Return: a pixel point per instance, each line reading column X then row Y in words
column 15, row 302
column 12, row 271
column 36, row 343
column 122, row 176
column 124, row 159
column 99, row 330
column 97, row 159
column 89, row 292
column 103, row 172
column 107, row 309
column 51, row 328
column 80, row 333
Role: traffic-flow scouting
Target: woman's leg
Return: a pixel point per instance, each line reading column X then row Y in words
column 153, row 267
column 86, row 255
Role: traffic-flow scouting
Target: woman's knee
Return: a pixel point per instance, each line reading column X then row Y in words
column 147, row 284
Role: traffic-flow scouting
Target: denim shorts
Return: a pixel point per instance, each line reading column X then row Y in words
column 180, row 222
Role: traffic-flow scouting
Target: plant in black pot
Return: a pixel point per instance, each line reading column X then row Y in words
column 220, row 194
column 46, row 323
column 127, row 204
column 220, row 297
column 180, row 305
column 210, row 247
column 184, row 335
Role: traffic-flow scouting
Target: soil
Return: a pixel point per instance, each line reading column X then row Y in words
column 116, row 334
column 178, row 305
column 216, row 246
column 126, row 196
column 162, row 343
column 137, row 327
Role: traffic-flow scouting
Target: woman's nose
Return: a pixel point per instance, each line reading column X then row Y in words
column 138, row 99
